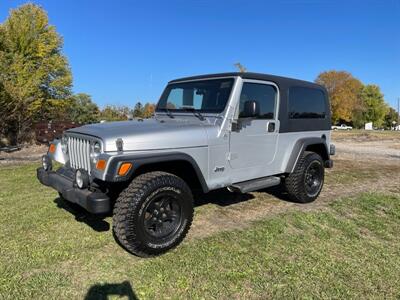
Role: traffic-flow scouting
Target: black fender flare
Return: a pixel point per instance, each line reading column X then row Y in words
column 139, row 160
column 300, row 147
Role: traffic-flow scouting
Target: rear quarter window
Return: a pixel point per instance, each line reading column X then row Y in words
column 306, row 103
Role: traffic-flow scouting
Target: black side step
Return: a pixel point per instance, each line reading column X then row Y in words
column 255, row 184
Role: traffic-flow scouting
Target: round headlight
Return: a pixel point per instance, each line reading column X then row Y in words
column 96, row 150
column 64, row 144
column 46, row 163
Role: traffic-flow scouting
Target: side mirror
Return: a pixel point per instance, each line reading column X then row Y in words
column 250, row 109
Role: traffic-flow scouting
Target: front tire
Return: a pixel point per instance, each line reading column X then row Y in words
column 305, row 183
column 153, row 214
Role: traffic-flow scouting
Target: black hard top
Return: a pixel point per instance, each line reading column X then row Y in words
column 279, row 80
column 284, row 84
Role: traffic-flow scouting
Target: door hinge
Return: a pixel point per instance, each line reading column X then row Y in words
column 231, row 156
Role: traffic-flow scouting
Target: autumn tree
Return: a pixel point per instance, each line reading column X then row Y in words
column 344, row 94
column 374, row 103
column 33, row 71
column 148, row 110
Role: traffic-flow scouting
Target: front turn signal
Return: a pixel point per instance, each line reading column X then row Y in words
column 101, row 165
column 124, row 169
column 52, row 148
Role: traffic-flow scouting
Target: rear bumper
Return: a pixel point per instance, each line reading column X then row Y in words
column 93, row 202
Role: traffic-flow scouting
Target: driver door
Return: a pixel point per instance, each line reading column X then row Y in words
column 253, row 143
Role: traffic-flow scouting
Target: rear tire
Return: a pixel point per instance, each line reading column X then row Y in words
column 305, row 183
column 153, row 214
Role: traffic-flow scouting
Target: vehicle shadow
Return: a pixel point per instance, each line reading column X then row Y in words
column 104, row 291
column 221, row 197
column 96, row 222
column 278, row 192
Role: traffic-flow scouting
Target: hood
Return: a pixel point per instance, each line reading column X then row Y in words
column 148, row 134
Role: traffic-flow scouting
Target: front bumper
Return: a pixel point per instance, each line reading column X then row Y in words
column 93, row 202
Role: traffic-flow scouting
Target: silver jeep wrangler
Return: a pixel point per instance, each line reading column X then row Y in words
column 240, row 131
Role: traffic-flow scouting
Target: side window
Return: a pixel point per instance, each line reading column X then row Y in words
column 306, row 103
column 263, row 94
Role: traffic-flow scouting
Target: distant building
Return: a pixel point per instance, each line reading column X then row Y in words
column 368, row 126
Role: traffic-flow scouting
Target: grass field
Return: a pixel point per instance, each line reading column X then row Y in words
column 350, row 249
column 365, row 134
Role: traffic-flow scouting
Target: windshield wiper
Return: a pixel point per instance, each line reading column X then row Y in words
column 195, row 113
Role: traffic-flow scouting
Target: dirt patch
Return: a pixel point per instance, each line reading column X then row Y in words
column 268, row 203
column 385, row 149
column 365, row 136
column 359, row 167
column 25, row 155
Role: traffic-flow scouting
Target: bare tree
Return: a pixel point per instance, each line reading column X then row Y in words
column 241, row 68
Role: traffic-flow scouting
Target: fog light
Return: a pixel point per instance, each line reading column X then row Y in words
column 46, row 163
column 82, row 179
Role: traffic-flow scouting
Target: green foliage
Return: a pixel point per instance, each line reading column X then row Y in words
column 146, row 111
column 375, row 106
column 33, row 71
column 138, row 110
column 121, row 113
column 358, row 120
column 82, row 109
column 115, row 113
column 391, row 118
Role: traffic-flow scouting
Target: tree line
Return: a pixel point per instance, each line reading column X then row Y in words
column 36, row 79
column 81, row 109
column 355, row 103
column 36, row 84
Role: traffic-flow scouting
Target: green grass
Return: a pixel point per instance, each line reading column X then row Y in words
column 347, row 172
column 350, row 250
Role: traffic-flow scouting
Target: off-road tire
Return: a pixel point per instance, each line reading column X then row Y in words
column 295, row 182
column 130, row 212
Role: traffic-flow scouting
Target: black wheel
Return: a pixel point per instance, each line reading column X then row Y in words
column 305, row 183
column 153, row 214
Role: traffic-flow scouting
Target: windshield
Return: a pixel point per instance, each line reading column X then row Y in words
column 202, row 96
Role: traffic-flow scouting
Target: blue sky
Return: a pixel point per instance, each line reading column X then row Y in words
column 124, row 51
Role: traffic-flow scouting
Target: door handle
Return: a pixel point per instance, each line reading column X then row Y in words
column 271, row 127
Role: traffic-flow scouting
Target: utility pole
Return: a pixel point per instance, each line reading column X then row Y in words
column 398, row 113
